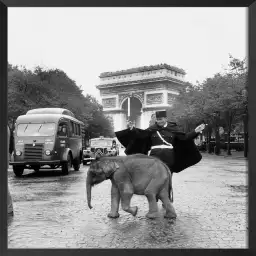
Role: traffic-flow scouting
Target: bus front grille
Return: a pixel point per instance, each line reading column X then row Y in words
column 33, row 153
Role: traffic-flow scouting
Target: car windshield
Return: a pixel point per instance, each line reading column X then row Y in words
column 101, row 143
column 46, row 129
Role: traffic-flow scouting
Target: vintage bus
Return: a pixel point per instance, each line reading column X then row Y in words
column 98, row 147
column 50, row 137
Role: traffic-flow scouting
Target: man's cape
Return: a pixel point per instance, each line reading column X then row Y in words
column 139, row 141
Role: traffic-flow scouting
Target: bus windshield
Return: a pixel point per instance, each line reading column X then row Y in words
column 46, row 129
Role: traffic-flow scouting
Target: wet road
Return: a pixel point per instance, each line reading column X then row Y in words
column 50, row 211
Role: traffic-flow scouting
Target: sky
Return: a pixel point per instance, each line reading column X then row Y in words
column 85, row 42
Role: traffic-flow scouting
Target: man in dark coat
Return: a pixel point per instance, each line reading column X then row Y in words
column 164, row 141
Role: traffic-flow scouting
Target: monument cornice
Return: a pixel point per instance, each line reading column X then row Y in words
column 142, row 69
column 158, row 107
column 150, row 80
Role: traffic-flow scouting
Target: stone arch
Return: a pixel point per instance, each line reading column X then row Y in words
column 153, row 87
column 126, row 98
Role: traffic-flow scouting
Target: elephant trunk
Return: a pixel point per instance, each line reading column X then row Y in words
column 89, row 189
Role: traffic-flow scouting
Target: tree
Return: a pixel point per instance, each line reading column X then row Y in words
column 239, row 72
column 52, row 88
column 219, row 100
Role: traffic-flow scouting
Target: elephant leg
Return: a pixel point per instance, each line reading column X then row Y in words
column 153, row 209
column 115, row 200
column 126, row 192
column 168, row 206
column 151, row 191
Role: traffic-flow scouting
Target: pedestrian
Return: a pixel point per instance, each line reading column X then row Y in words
column 152, row 120
column 9, row 198
column 11, row 144
column 113, row 144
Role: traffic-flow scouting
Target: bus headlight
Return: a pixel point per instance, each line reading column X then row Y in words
column 18, row 153
column 47, row 152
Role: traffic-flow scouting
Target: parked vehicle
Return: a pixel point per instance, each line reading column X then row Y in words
column 50, row 137
column 234, row 145
column 100, row 147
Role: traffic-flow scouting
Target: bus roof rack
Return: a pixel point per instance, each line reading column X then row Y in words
column 62, row 111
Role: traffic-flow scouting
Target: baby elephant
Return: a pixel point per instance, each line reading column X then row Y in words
column 134, row 174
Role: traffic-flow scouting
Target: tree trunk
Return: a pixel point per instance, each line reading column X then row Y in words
column 229, row 132
column 230, row 119
column 217, row 141
column 186, row 126
column 209, row 132
column 228, row 145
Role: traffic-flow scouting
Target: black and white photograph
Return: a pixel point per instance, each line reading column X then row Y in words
column 127, row 128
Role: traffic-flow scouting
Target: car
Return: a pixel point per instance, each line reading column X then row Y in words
column 99, row 147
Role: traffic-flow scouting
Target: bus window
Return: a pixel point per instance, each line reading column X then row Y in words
column 75, row 129
column 72, row 131
column 62, row 130
column 78, row 130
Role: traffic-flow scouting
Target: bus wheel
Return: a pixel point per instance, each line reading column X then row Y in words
column 18, row 170
column 66, row 166
column 76, row 164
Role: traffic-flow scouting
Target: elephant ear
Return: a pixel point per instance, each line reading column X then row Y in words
column 109, row 167
column 94, row 167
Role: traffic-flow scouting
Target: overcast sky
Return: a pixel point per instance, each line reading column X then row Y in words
column 84, row 42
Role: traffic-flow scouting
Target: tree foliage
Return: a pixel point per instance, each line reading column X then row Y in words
column 224, row 93
column 53, row 88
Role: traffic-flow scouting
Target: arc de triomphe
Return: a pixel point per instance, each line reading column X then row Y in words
column 136, row 93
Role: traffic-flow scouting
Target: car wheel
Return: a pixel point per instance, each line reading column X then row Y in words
column 18, row 170
column 66, row 166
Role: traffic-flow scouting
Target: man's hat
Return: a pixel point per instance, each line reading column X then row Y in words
column 160, row 114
